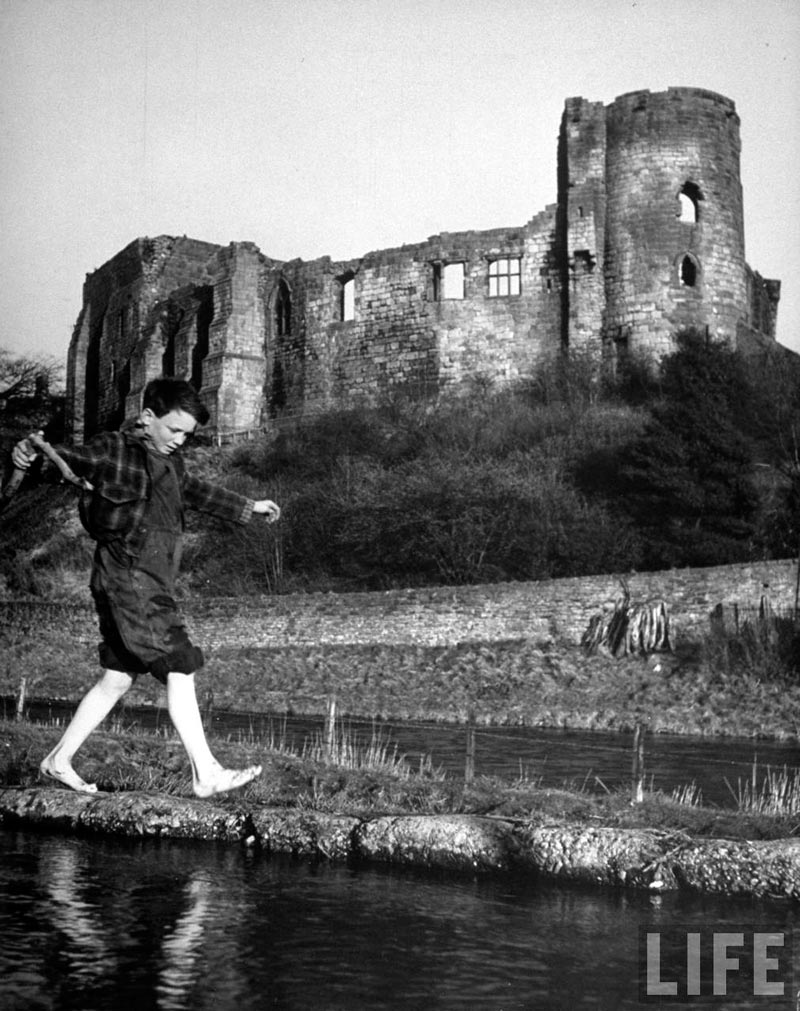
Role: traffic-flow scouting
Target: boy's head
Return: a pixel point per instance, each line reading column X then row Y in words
column 167, row 394
column 171, row 411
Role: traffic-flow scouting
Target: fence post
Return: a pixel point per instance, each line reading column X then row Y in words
column 23, row 685
column 469, row 764
column 330, row 726
column 638, row 764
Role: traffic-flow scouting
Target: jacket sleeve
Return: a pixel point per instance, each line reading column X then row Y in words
column 216, row 500
column 85, row 461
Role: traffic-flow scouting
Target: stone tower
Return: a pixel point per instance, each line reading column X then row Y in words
column 651, row 205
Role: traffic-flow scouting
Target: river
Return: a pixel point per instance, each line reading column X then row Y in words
column 592, row 760
column 99, row 925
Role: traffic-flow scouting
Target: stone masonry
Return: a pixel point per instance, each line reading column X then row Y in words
column 549, row 611
column 646, row 237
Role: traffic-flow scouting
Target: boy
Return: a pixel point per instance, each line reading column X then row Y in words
column 135, row 493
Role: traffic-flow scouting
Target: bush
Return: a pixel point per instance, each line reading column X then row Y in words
column 558, row 476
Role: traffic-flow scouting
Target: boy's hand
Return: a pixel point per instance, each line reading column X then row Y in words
column 268, row 509
column 24, row 453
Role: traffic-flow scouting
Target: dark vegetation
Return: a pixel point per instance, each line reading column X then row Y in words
column 562, row 475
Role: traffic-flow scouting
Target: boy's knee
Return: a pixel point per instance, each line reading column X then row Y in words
column 186, row 660
column 115, row 682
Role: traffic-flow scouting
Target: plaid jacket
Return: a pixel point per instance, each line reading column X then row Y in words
column 117, row 465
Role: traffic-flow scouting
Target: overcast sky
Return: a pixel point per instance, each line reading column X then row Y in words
column 315, row 127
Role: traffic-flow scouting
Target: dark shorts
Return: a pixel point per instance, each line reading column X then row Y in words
column 140, row 624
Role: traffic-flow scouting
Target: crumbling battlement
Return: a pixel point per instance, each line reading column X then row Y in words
column 646, row 237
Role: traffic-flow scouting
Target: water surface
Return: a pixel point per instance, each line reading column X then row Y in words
column 98, row 924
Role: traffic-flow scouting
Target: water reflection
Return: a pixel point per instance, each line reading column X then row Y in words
column 182, row 946
column 73, row 916
column 92, row 925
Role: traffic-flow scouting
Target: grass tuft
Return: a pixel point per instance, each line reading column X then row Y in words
column 777, row 792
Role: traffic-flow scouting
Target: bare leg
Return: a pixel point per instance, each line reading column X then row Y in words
column 96, row 704
column 208, row 776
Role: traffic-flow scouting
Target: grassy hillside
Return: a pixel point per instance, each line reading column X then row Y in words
column 556, row 477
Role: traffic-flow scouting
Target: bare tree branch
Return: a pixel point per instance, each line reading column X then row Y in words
column 24, row 376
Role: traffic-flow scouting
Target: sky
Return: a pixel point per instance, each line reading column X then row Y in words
column 337, row 127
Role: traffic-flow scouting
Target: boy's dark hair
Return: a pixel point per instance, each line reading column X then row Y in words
column 169, row 394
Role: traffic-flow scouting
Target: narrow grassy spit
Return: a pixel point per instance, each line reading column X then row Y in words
column 368, row 777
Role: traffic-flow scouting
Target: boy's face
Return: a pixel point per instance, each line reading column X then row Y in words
column 169, row 432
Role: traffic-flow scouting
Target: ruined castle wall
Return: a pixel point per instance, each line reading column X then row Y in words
column 657, row 144
column 103, row 342
column 117, row 345
column 615, row 266
column 234, row 370
column 762, row 303
column 167, row 264
column 407, row 334
column 582, row 212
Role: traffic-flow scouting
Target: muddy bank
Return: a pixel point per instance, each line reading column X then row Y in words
column 630, row 858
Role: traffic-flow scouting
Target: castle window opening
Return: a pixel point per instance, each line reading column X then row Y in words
column 123, row 380
column 283, row 310
column 582, row 262
column 205, row 315
column 448, row 280
column 689, row 200
column 688, row 272
column 168, row 357
column 505, row 276
column 347, row 297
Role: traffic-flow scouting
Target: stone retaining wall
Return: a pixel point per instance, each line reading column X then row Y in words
column 550, row 610
column 631, row 858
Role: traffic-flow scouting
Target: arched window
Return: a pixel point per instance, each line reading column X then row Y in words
column 204, row 318
column 283, row 310
column 347, row 297
column 688, row 271
column 689, row 200
column 168, row 357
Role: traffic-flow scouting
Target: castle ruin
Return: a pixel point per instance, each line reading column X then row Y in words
column 646, row 237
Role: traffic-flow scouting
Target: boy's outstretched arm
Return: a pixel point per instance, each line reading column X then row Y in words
column 26, row 451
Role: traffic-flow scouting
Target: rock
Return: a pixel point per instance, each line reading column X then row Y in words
column 629, row 858
column 304, row 833
column 759, row 868
column 607, row 856
column 129, row 814
column 462, row 842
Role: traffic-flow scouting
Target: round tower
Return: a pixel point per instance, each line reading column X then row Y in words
column 674, row 219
